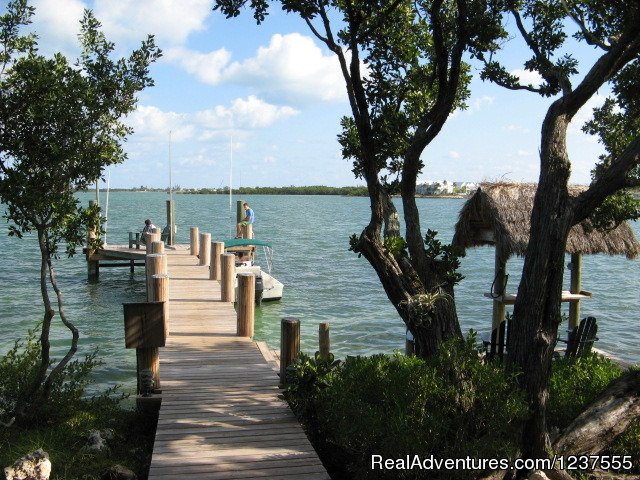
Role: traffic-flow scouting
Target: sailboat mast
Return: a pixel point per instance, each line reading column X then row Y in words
column 170, row 172
column 231, row 172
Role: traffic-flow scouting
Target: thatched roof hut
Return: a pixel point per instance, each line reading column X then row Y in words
column 500, row 214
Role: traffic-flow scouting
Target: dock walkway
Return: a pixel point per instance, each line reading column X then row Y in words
column 220, row 416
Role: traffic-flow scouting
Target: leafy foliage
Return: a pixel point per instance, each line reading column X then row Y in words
column 71, row 413
column 446, row 255
column 396, row 245
column 396, row 406
column 19, row 367
column 576, row 382
column 61, row 125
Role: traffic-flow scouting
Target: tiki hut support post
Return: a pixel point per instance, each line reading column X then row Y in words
column 576, row 287
column 498, row 289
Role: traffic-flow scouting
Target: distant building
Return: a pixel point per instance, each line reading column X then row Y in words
column 445, row 187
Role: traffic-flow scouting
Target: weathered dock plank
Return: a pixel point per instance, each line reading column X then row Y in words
column 221, row 415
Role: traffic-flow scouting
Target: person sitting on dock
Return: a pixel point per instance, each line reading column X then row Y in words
column 147, row 230
column 249, row 217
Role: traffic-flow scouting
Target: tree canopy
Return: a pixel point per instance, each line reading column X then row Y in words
column 405, row 72
column 60, row 126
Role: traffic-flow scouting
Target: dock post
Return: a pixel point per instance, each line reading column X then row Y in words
column 247, row 231
column 324, row 341
column 171, row 221
column 289, row 345
column 161, row 294
column 576, row 287
column 246, row 304
column 157, row 247
column 156, row 263
column 149, row 238
column 228, row 269
column 239, row 211
column 205, row 249
column 217, row 249
column 194, row 241
column 93, row 266
column 149, row 359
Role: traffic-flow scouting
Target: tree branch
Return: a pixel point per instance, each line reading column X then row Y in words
column 380, row 19
column 613, row 179
column 590, row 38
column 549, row 72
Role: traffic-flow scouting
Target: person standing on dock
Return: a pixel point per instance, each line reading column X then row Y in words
column 249, row 217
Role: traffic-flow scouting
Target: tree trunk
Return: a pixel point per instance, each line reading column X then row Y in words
column 607, row 417
column 534, row 327
column 26, row 405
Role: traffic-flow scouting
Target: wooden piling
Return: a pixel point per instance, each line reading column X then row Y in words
column 161, row 294
column 499, row 286
column 205, row 249
column 93, row 266
column 217, row 249
column 246, row 304
column 145, row 331
column 239, row 211
column 149, row 238
column 156, row 263
column 194, row 241
column 247, row 230
column 324, row 341
column 157, row 247
column 576, row 287
column 228, row 270
column 149, row 359
column 289, row 345
column 171, row 222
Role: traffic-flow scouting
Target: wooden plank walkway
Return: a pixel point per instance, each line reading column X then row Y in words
column 221, row 416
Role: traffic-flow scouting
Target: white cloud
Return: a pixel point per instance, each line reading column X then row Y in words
column 292, row 68
column 453, row 154
column 206, row 67
column 58, row 23
column 255, row 113
column 481, row 102
column 528, row 77
column 149, row 122
column 171, row 21
column 584, row 115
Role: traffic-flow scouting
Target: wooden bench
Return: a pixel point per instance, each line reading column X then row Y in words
column 134, row 239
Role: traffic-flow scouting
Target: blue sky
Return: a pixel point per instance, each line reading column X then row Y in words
column 275, row 96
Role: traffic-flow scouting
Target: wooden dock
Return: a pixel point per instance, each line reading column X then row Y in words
column 221, row 415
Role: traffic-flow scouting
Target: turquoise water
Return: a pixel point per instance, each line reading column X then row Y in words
column 324, row 282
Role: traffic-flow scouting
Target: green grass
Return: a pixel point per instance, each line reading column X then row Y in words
column 131, row 446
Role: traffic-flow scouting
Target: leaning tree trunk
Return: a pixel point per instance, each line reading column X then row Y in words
column 604, row 419
column 537, row 309
column 26, row 405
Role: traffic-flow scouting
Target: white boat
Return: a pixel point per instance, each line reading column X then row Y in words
column 267, row 287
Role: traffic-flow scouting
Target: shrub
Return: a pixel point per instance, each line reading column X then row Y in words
column 575, row 382
column 452, row 406
column 18, row 368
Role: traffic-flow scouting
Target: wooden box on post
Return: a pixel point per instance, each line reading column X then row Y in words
column 144, row 325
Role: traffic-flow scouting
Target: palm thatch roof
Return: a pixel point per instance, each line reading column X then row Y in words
column 500, row 214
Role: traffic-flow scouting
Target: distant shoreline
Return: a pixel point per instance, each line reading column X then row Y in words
column 313, row 190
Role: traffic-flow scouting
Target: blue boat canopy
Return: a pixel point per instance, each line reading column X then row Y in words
column 242, row 242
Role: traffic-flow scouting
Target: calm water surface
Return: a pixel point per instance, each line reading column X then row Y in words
column 324, row 282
